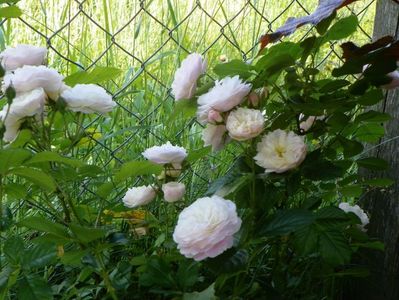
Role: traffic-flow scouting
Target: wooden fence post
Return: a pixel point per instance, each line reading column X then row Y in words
column 383, row 206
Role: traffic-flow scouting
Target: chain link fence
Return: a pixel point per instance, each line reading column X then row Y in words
column 147, row 39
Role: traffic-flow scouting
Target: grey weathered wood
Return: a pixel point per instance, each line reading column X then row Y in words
column 383, row 206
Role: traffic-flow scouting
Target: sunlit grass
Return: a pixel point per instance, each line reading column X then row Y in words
column 148, row 42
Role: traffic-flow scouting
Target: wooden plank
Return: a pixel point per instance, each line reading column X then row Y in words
column 383, row 206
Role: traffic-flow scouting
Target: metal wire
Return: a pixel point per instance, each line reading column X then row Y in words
column 142, row 135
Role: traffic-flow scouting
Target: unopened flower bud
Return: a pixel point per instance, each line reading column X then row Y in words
column 10, row 93
column 253, row 99
column 214, row 116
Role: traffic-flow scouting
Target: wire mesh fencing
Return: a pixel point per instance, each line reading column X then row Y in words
column 147, row 39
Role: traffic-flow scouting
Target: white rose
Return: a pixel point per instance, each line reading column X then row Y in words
column 394, row 78
column 305, row 125
column 224, row 96
column 280, row 151
column 394, row 83
column 244, row 123
column 137, row 196
column 28, row 78
column 24, row 105
column 173, row 191
column 206, row 228
column 346, row 207
column 14, row 58
column 215, row 136
column 88, row 98
column 185, row 81
column 165, row 154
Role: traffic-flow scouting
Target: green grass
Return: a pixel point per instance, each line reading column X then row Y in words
column 156, row 36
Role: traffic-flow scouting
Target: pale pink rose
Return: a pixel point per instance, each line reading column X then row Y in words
column 185, row 82
column 206, row 228
column 24, row 105
column 215, row 136
column 165, row 154
column 88, row 98
column 16, row 57
column 244, row 123
column 137, row 196
column 224, row 96
column 29, row 78
column 280, row 151
column 173, row 191
column 346, row 207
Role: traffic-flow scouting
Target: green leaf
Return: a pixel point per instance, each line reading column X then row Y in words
column 323, row 26
column 13, row 248
column 351, row 190
column 373, row 163
column 184, row 109
column 15, row 191
column 232, row 68
column 24, row 136
column 157, row 272
column 379, row 182
column 96, row 76
column 48, row 156
column 372, row 116
column 105, row 189
column 10, row 12
column 334, row 247
column 36, row 176
column 287, row 221
column 73, row 258
column 370, row 132
column 306, row 239
column 371, row 97
column 230, row 261
column 207, row 294
column 33, row 287
column 137, row 168
column 351, row 147
column 187, row 274
column 293, row 50
column 42, row 224
column 87, row 234
column 38, row 256
column 328, row 86
column 12, row 158
column 342, row 29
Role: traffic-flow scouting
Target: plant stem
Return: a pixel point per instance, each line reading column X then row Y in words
column 104, row 274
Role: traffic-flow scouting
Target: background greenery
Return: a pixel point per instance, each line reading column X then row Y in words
column 146, row 40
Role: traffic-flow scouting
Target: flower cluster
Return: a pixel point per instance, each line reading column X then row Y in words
column 29, row 86
column 228, row 116
column 171, row 157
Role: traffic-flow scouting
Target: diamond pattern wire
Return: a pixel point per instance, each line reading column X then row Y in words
column 220, row 28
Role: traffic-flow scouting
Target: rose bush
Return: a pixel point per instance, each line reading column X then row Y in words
column 143, row 226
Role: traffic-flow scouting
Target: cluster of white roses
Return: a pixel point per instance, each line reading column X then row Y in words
column 206, row 227
column 171, row 157
column 35, row 85
column 227, row 115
